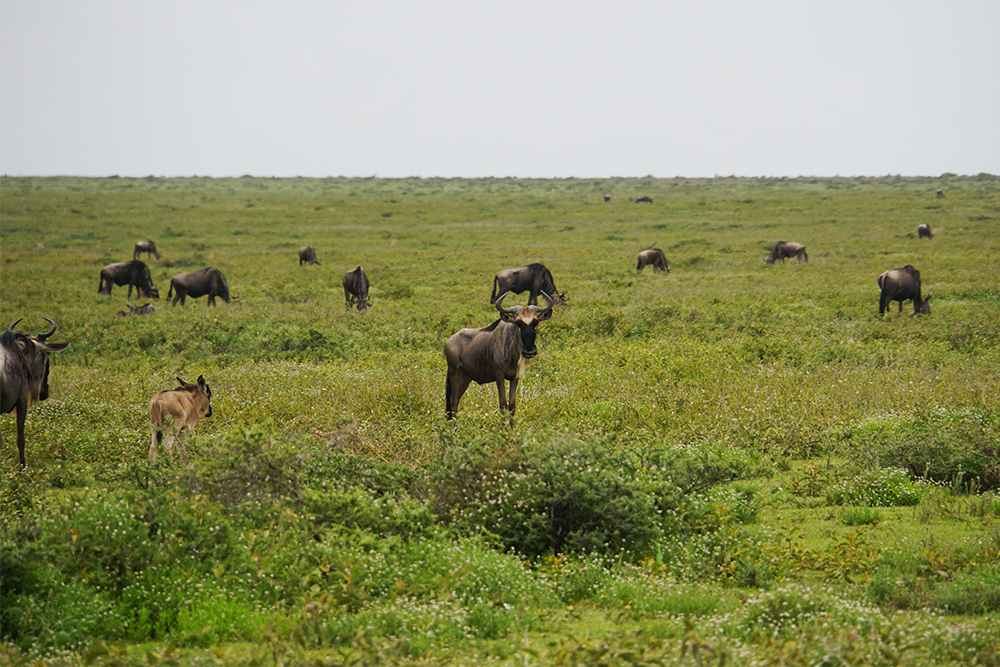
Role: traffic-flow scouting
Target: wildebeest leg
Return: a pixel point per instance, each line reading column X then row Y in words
column 21, row 414
column 155, row 435
column 457, row 384
column 512, row 400
column 882, row 303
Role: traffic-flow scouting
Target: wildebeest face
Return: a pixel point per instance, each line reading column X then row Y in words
column 526, row 319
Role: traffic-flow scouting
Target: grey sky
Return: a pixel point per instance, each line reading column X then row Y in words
column 508, row 88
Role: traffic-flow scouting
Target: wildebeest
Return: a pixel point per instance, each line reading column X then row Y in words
column 356, row 288
column 924, row 231
column 307, row 255
column 607, row 198
column 534, row 279
column 900, row 285
column 134, row 274
column 496, row 353
column 644, row 200
column 135, row 310
column 940, row 192
column 147, row 247
column 24, row 374
column 785, row 250
column 654, row 257
column 182, row 408
column 197, row 284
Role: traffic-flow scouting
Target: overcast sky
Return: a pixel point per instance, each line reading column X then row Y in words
column 500, row 88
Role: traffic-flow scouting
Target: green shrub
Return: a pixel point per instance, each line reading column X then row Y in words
column 875, row 488
column 976, row 591
column 861, row 516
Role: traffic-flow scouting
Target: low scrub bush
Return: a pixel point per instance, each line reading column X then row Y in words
column 875, row 488
column 583, row 497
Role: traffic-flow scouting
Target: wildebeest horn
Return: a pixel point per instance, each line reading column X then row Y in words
column 548, row 298
column 183, row 383
column 14, row 324
column 512, row 310
column 49, row 332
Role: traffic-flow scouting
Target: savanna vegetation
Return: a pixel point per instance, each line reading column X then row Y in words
column 733, row 463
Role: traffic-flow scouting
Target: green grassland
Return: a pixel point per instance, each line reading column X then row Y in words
column 733, row 462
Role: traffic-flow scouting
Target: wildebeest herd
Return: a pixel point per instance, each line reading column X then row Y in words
column 496, row 353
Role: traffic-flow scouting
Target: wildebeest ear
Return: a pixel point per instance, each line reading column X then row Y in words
column 54, row 347
column 929, row 296
column 183, row 383
column 544, row 314
column 507, row 316
column 201, row 380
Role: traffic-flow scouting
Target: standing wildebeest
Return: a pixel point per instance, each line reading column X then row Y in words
column 24, row 374
column 496, row 353
column 940, row 192
column 356, row 288
column 197, row 284
column 782, row 251
column 534, row 279
column 644, row 200
column 900, row 285
column 134, row 274
column 183, row 407
column 924, row 231
column 607, row 198
column 655, row 257
column 136, row 310
column 307, row 255
column 147, row 247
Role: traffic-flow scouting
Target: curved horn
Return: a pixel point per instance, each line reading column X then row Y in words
column 14, row 324
column 513, row 310
column 50, row 331
column 548, row 298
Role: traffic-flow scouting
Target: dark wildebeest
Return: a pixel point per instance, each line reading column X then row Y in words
column 182, row 407
column 496, row 353
column 135, row 310
column 782, row 251
column 924, row 231
column 534, row 279
column 24, row 374
column 356, row 288
column 147, row 247
column 940, row 192
column 307, row 255
column 607, row 198
column 197, row 284
column 644, row 200
column 900, row 285
column 134, row 274
column 655, row 257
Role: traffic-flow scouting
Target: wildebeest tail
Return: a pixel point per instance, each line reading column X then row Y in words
column 171, row 290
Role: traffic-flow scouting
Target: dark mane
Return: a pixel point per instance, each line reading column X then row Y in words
column 492, row 326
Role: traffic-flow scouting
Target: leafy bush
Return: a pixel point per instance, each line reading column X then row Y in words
column 581, row 497
column 875, row 488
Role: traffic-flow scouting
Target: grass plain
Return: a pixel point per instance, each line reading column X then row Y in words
column 781, row 386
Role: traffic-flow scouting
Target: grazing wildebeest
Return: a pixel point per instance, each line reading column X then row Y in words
column 940, row 192
column 147, row 247
column 197, row 284
column 644, row 200
column 307, row 255
column 182, row 407
column 900, row 285
column 924, row 231
column 496, row 353
column 135, row 310
column 782, row 251
column 356, row 289
column 607, row 198
column 24, row 374
column 655, row 257
column 534, row 279
column 134, row 274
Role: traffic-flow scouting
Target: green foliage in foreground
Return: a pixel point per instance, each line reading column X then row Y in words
column 733, row 462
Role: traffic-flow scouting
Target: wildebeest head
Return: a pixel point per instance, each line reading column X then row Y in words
column 526, row 319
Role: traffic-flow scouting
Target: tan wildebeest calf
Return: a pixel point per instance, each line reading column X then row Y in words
column 182, row 408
